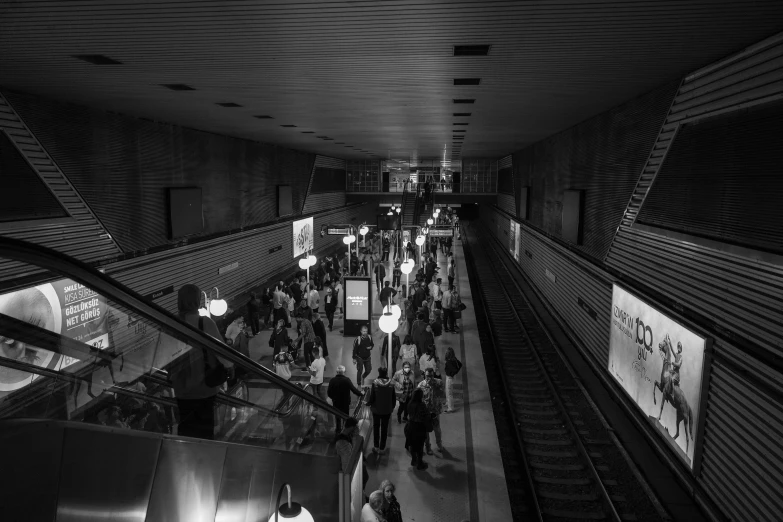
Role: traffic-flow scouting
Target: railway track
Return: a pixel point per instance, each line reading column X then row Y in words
column 566, row 465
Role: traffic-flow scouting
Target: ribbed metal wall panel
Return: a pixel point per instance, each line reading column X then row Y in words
column 505, row 162
column 508, row 203
column 315, row 202
column 603, row 156
column 122, row 167
column 84, row 237
column 199, row 263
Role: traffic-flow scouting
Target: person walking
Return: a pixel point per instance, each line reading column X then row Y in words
column 419, row 419
column 320, row 331
column 387, row 294
column 381, row 402
column 380, row 275
column 448, row 312
column 408, row 352
column 391, row 507
column 396, row 274
column 457, row 307
column 330, row 306
column 313, row 299
column 436, row 293
column 395, row 351
column 252, row 313
column 404, row 385
column 338, row 294
column 339, row 391
column 429, row 360
column 306, row 338
column 316, row 370
column 450, row 271
column 432, row 388
column 453, row 366
column 362, row 355
column 278, row 305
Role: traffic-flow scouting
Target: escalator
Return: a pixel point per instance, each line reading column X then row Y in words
column 83, row 358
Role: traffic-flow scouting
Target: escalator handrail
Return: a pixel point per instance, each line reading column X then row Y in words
column 362, row 403
column 107, row 287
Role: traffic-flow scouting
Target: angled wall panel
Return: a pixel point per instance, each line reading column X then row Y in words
column 322, row 200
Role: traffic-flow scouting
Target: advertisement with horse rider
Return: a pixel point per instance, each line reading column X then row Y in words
column 661, row 365
column 303, row 236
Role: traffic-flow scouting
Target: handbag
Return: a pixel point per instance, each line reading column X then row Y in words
column 462, row 307
column 457, row 314
column 213, row 375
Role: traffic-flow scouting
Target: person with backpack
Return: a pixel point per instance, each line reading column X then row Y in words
column 380, row 275
column 453, row 366
column 381, row 402
column 432, row 387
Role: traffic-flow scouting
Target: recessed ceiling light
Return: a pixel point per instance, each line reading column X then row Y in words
column 467, row 81
column 228, row 104
column 471, row 50
column 460, row 123
column 339, row 143
column 464, row 100
column 263, row 117
column 308, row 132
column 177, row 86
column 459, row 130
column 97, row 59
column 289, row 126
column 461, row 114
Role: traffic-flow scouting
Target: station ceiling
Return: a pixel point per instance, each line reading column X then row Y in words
column 377, row 78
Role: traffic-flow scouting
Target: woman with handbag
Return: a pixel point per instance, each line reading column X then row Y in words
column 198, row 374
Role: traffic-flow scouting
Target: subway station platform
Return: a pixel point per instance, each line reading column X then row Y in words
column 466, row 481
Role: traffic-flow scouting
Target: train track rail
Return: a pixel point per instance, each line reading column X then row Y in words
column 569, row 466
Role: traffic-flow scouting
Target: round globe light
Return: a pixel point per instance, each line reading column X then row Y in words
column 304, row 263
column 390, row 213
column 437, row 210
column 299, row 514
column 312, row 260
column 434, row 215
column 407, row 267
column 396, row 312
column 430, row 221
column 398, row 210
column 363, row 230
column 218, row 307
column 419, row 240
column 203, row 312
column 387, row 323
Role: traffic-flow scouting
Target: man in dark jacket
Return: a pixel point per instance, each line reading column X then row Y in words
column 320, row 331
column 339, row 391
column 362, row 355
column 381, row 401
column 420, row 296
column 380, row 275
column 330, row 305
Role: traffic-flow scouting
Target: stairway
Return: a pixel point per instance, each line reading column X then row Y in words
column 408, row 208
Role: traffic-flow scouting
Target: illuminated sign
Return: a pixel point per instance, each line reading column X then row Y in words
column 660, row 364
column 357, row 295
column 64, row 307
column 441, row 232
column 338, row 231
column 303, row 236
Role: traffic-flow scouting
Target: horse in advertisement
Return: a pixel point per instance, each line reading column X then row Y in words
column 673, row 394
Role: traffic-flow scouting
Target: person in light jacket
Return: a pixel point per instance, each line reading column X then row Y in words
column 404, row 383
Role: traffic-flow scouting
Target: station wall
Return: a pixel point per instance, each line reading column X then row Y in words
column 733, row 295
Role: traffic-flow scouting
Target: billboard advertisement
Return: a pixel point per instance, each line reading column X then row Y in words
column 303, row 236
column 357, row 300
column 64, row 307
column 661, row 365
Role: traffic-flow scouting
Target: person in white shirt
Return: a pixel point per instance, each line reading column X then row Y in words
column 313, row 299
column 436, row 293
column 317, row 371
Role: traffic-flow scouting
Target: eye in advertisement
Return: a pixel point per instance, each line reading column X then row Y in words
column 661, row 365
column 64, row 307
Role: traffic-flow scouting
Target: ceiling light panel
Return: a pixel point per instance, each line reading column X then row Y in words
column 471, row 50
column 177, row 87
column 464, row 100
column 228, row 104
column 97, row 59
column 467, row 81
column 264, row 117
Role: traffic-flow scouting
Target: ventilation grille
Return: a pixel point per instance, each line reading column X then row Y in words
column 178, row 87
column 723, row 179
column 97, row 59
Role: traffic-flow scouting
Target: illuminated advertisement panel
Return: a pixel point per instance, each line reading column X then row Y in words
column 357, row 300
column 64, row 307
column 661, row 365
column 303, row 236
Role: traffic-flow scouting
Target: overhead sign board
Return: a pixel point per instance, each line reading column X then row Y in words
column 441, row 232
column 661, row 365
column 338, row 231
column 303, row 236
